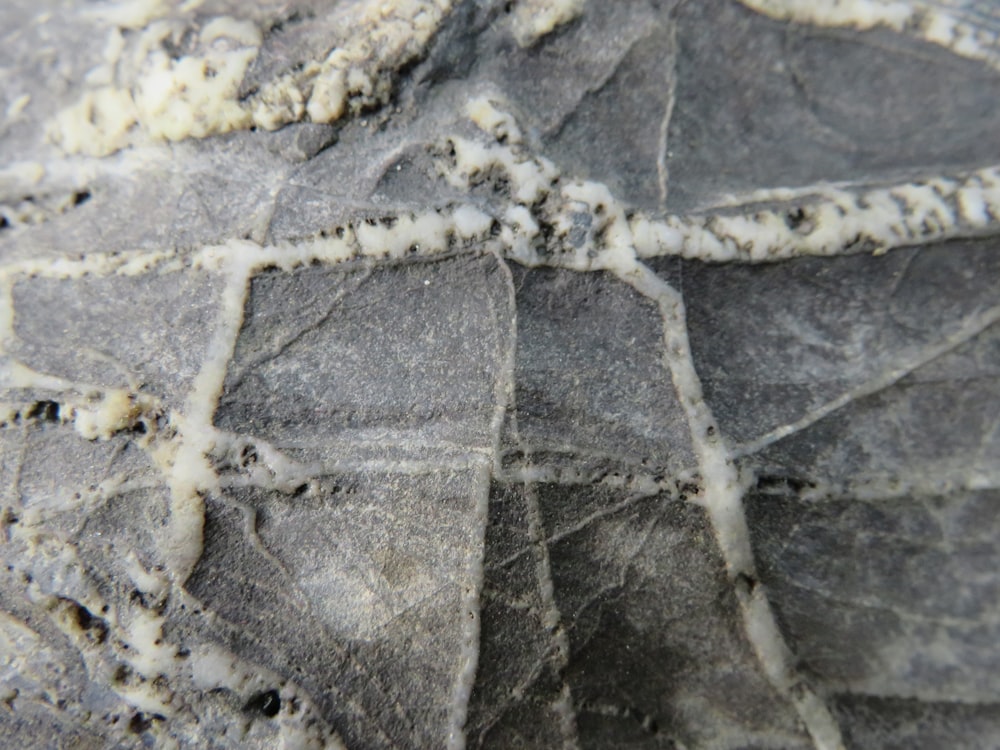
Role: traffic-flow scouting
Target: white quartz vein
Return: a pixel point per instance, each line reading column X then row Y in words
column 606, row 242
column 662, row 171
column 587, row 229
column 472, row 596
column 551, row 618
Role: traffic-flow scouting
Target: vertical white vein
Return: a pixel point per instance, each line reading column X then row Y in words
column 503, row 393
column 722, row 495
column 551, row 618
column 189, row 471
column 662, row 171
column 563, row 706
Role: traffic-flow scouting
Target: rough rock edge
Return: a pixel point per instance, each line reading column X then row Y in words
column 142, row 93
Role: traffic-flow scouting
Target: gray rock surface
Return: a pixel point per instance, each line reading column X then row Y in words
column 545, row 373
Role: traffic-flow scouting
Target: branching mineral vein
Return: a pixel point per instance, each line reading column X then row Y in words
column 551, row 617
column 588, row 229
column 547, row 220
column 606, row 243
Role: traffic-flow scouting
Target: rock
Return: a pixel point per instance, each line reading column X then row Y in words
column 499, row 374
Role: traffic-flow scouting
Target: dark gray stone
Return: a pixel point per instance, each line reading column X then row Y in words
column 446, row 497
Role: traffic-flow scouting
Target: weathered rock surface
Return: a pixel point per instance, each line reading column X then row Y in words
column 547, row 373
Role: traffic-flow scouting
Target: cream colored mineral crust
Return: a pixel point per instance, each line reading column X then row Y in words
column 143, row 92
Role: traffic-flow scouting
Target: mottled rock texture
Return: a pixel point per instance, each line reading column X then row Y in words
column 541, row 373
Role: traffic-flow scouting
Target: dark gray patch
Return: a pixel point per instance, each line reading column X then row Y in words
column 590, row 378
column 888, row 596
column 414, row 349
column 118, row 331
column 775, row 104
